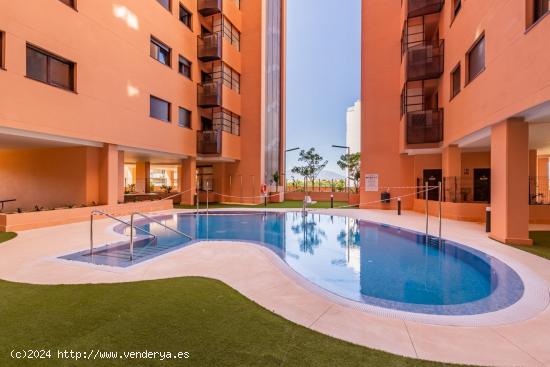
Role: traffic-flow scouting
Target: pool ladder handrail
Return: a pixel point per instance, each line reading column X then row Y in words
column 100, row 212
column 154, row 221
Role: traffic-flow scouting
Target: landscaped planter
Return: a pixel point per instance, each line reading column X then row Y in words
column 46, row 218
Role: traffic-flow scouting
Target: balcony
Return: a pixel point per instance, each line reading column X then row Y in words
column 425, row 61
column 209, row 47
column 209, row 142
column 209, row 94
column 425, row 127
column 209, row 7
column 418, row 8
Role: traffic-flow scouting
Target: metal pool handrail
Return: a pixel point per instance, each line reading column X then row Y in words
column 99, row 212
column 154, row 221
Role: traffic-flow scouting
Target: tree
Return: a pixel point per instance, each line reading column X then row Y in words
column 351, row 163
column 313, row 164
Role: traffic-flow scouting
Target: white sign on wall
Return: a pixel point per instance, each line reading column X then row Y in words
column 371, row 182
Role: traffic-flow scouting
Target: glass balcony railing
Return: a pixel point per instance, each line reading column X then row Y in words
column 209, row 94
column 209, row 47
column 209, row 7
column 209, row 142
column 418, row 8
column 425, row 127
column 425, row 61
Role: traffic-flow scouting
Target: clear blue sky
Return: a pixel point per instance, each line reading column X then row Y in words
column 323, row 74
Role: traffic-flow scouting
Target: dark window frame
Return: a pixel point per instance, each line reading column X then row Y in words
column 161, row 46
column 189, row 67
column 471, row 77
column 49, row 56
column 169, row 120
column 457, row 7
column 189, row 16
column 2, row 50
column 169, row 8
column 535, row 14
column 70, row 3
column 189, row 113
column 456, row 91
column 227, row 30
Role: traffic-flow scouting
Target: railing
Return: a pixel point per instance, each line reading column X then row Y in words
column 465, row 189
column 425, row 61
column 418, row 8
column 131, row 225
column 425, row 127
column 209, row 94
column 319, row 185
column 209, row 142
column 209, row 7
column 151, row 220
column 539, row 190
column 209, row 47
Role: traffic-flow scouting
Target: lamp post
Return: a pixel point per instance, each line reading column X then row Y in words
column 284, row 173
column 347, row 169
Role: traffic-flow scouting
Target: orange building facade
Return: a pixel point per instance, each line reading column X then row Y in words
column 458, row 92
column 110, row 101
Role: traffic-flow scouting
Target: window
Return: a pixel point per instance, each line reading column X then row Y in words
column 226, row 120
column 536, row 9
column 184, row 118
column 159, row 109
column 476, row 59
column 222, row 26
column 455, row 81
column 166, row 4
column 184, row 67
column 457, row 5
column 50, row 69
column 160, row 52
column 2, row 49
column 205, row 178
column 71, row 3
column 186, row 17
column 229, row 77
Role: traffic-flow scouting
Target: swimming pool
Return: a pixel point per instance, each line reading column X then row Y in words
column 361, row 261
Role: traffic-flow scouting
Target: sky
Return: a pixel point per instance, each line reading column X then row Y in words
column 323, row 75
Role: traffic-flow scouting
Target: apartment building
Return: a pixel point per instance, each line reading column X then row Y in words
column 458, row 92
column 353, row 127
column 105, row 101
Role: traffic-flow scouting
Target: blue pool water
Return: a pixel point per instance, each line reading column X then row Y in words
column 362, row 261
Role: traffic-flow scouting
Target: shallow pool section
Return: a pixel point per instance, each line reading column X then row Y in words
column 361, row 261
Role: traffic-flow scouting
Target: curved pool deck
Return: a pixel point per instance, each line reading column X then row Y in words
column 515, row 336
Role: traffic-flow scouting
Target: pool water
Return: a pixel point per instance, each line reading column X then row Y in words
column 359, row 260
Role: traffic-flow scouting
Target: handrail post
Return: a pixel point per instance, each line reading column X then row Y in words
column 440, row 197
column 132, row 237
column 427, row 207
column 91, row 233
column 207, row 187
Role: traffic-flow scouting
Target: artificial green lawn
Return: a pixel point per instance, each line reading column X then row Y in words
column 541, row 244
column 5, row 236
column 214, row 323
column 285, row 204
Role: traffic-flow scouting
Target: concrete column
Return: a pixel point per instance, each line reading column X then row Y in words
column 143, row 175
column 108, row 175
column 451, row 164
column 509, row 182
column 188, row 180
column 542, row 176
